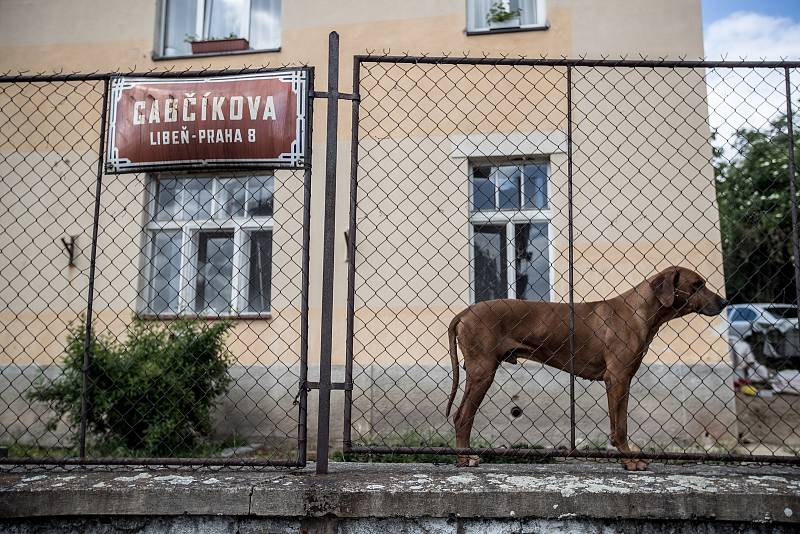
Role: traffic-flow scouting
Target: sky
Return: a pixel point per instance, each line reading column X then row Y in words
column 753, row 28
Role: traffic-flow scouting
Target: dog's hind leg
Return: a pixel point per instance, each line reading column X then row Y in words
column 478, row 383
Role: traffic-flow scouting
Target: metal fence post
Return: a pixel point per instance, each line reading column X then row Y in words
column 571, row 266
column 302, row 425
column 351, row 261
column 323, row 419
column 792, row 187
column 87, row 343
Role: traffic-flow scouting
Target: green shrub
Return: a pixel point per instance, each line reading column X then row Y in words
column 151, row 394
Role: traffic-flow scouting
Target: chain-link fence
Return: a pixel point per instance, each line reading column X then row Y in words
column 559, row 183
column 144, row 316
column 163, row 317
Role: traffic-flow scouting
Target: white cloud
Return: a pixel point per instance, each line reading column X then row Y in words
column 749, row 98
column 754, row 36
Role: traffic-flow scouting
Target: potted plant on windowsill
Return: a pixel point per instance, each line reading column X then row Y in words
column 501, row 17
column 211, row 45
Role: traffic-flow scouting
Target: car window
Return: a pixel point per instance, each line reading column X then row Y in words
column 783, row 312
column 742, row 314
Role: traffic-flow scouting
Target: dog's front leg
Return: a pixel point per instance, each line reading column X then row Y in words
column 618, row 390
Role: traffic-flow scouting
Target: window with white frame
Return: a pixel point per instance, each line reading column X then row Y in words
column 258, row 21
column 487, row 15
column 510, row 231
column 209, row 246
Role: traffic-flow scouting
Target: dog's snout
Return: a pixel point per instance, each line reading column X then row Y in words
column 723, row 302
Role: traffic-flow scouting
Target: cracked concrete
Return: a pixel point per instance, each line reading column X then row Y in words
column 375, row 492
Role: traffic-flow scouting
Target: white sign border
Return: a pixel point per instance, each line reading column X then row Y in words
column 294, row 159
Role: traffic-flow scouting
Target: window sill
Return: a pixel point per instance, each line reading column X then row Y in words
column 159, row 57
column 244, row 316
column 544, row 27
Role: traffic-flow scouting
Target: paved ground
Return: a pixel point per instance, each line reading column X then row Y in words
column 554, row 492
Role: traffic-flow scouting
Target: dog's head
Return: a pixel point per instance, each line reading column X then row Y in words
column 685, row 291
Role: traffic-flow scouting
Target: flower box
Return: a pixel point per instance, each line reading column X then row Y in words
column 219, row 45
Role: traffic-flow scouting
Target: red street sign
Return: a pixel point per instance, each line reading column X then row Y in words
column 255, row 120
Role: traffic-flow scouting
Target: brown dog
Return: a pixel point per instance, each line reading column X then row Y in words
column 611, row 338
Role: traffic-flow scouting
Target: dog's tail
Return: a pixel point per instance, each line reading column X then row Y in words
column 451, row 333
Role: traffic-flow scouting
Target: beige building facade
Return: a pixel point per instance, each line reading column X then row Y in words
column 643, row 182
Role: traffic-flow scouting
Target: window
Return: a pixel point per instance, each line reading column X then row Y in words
column 209, row 246
column 531, row 14
column 510, row 231
column 736, row 315
column 258, row 21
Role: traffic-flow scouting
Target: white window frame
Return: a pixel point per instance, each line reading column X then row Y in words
column 541, row 18
column 201, row 27
column 509, row 218
column 190, row 232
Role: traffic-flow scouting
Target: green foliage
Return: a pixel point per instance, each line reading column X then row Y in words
column 151, row 394
column 755, row 216
column 432, row 439
column 190, row 38
column 499, row 13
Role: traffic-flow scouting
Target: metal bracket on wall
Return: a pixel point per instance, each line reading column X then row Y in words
column 343, row 386
column 336, row 94
column 69, row 246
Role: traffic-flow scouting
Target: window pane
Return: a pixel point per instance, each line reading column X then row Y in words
column 265, row 24
column 182, row 199
column 167, row 199
column 231, row 197
column 489, row 261
column 196, row 198
column 226, row 17
column 529, row 14
column 477, row 10
column 181, row 22
column 508, row 182
column 482, row 189
column 164, row 269
column 259, row 203
column 783, row 312
column 535, row 185
column 532, row 263
column 260, row 272
column 213, row 287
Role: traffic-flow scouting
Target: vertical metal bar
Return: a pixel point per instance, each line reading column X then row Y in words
column 323, row 419
column 351, row 259
column 87, row 343
column 793, row 187
column 571, row 279
column 302, row 424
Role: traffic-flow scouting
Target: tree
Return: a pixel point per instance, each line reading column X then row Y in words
column 755, row 215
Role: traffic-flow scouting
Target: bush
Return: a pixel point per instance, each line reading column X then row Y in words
column 151, row 394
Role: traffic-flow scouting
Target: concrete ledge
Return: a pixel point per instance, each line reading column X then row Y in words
column 557, row 492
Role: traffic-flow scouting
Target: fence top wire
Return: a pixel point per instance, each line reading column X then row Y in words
column 25, row 76
column 508, row 60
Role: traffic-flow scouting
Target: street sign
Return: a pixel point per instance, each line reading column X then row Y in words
column 245, row 121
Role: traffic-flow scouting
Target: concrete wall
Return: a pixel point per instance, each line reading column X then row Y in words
column 676, row 407
column 582, row 497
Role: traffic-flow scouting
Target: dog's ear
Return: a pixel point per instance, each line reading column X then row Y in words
column 664, row 285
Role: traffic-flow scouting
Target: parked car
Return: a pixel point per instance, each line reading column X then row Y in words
column 770, row 329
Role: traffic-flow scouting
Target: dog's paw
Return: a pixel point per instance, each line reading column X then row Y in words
column 469, row 461
column 634, row 464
